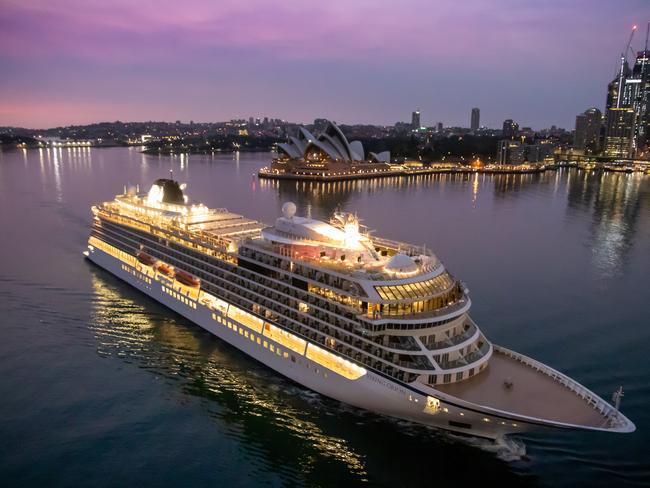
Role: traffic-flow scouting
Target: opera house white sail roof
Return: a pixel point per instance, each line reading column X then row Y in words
column 331, row 144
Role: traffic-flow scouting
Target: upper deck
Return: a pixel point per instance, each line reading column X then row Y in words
column 339, row 247
column 165, row 207
column 342, row 246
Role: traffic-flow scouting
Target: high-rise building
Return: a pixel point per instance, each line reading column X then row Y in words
column 510, row 129
column 587, row 134
column 620, row 124
column 415, row 120
column 516, row 152
column 476, row 119
column 613, row 86
column 510, row 152
column 539, row 152
column 641, row 103
column 619, row 142
column 439, row 127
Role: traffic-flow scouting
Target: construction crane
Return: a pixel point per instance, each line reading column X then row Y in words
column 629, row 42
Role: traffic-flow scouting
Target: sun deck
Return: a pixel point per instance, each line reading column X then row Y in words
column 522, row 386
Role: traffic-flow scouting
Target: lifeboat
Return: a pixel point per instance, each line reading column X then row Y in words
column 164, row 268
column 187, row 279
column 144, row 258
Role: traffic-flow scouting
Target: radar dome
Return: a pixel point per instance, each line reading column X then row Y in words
column 401, row 263
column 289, row 210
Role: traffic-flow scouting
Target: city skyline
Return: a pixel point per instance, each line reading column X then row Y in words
column 66, row 63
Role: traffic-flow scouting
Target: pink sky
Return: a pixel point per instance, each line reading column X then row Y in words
column 541, row 63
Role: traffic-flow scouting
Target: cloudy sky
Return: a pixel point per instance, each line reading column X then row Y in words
column 353, row 61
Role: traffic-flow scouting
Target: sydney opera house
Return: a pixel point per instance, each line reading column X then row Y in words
column 326, row 156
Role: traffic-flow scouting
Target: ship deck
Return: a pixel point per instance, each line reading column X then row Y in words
column 532, row 393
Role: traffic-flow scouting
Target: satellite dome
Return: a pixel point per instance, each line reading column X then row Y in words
column 289, row 210
column 401, row 263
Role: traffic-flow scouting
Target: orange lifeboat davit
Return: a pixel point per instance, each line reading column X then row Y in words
column 187, row 279
column 164, row 268
column 144, row 258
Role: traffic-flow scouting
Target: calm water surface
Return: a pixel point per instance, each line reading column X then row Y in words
column 101, row 386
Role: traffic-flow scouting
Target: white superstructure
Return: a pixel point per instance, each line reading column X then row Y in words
column 374, row 323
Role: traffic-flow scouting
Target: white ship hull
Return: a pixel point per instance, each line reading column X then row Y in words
column 371, row 391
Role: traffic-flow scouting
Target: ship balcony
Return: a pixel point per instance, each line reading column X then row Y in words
column 520, row 387
column 468, row 359
column 452, row 341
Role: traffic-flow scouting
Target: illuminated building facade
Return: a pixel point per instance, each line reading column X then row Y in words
column 628, row 109
column 620, row 124
column 641, row 102
column 327, row 154
column 510, row 152
column 587, row 132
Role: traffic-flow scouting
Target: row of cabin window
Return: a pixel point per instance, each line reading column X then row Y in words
column 179, row 297
column 391, row 310
column 362, row 354
column 136, row 274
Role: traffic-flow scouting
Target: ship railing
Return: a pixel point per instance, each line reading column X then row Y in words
column 597, row 403
column 403, row 247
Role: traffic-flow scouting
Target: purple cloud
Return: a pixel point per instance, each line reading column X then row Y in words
column 353, row 61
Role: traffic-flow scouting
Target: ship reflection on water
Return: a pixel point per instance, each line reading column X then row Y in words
column 127, row 326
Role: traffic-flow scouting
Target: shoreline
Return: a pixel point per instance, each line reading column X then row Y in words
column 266, row 173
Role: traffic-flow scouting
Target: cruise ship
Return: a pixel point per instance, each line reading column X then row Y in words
column 371, row 322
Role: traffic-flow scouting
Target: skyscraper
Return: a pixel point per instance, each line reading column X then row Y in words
column 621, row 120
column 587, row 135
column 476, row 119
column 510, row 129
column 619, row 142
column 415, row 120
column 510, row 152
column 641, row 103
column 613, row 86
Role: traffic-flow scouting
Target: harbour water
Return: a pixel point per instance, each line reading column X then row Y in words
column 100, row 386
